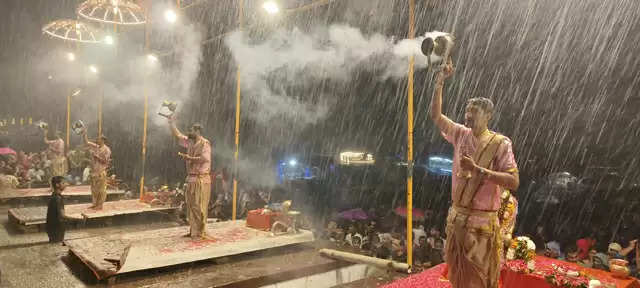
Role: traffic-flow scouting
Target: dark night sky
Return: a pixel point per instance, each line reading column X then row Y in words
column 565, row 76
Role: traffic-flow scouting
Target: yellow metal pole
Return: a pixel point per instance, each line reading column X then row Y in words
column 101, row 98
column 235, row 155
column 410, row 140
column 70, row 92
column 68, row 121
column 147, row 33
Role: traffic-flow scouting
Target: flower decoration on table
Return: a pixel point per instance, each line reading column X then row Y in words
column 519, row 266
column 567, row 281
column 560, row 276
column 522, row 248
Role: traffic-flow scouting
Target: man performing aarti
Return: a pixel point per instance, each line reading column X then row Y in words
column 100, row 161
column 483, row 166
column 198, row 192
column 55, row 152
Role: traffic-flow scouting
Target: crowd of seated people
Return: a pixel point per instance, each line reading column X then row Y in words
column 33, row 169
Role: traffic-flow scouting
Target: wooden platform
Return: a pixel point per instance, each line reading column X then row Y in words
column 41, row 193
column 117, row 254
column 28, row 216
column 33, row 216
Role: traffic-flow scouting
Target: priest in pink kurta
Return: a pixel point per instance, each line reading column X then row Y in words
column 56, row 154
column 198, row 160
column 100, row 161
column 483, row 166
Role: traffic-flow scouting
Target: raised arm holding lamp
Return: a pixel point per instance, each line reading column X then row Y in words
column 484, row 165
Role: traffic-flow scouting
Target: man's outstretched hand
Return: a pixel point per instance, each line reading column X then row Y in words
column 447, row 71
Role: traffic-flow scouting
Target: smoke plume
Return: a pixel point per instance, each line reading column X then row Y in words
column 290, row 57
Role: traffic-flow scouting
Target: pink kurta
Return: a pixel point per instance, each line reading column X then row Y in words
column 56, row 148
column 198, row 192
column 473, row 245
column 488, row 196
column 104, row 158
column 201, row 149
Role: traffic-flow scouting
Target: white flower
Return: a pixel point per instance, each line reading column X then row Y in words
column 531, row 265
column 531, row 245
column 594, row 284
column 511, row 254
column 572, row 273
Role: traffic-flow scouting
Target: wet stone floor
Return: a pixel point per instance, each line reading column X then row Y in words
column 28, row 260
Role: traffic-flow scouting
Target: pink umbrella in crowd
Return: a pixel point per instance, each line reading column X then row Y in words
column 7, row 151
column 418, row 214
column 354, row 214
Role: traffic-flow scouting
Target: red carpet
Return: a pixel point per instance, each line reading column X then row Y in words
column 434, row 277
column 431, row 278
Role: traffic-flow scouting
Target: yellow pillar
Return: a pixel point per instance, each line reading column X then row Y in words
column 68, row 120
column 100, row 100
column 410, row 141
column 237, row 136
column 147, row 33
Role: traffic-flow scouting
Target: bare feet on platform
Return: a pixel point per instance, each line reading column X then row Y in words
column 92, row 208
column 199, row 238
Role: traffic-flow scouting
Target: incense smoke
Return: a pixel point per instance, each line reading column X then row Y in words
column 123, row 74
column 292, row 57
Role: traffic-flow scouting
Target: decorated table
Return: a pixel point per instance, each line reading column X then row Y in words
column 563, row 274
column 515, row 274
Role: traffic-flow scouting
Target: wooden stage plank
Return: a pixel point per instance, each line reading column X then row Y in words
column 127, row 252
column 71, row 191
column 37, row 215
column 28, row 215
column 111, row 208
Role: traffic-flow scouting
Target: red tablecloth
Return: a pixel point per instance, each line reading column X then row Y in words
column 536, row 279
column 435, row 277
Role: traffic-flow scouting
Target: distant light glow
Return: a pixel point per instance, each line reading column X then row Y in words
column 440, row 165
column 271, row 7
column 170, row 16
column 93, row 69
column 293, row 162
column 152, row 58
column 108, row 40
column 71, row 56
column 356, row 158
column 50, row 77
